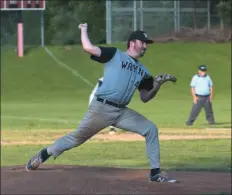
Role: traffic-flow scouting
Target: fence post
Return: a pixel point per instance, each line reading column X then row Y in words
column 175, row 16
column 108, row 21
column 20, row 35
column 135, row 15
column 42, row 27
column 178, row 16
column 208, row 15
column 141, row 14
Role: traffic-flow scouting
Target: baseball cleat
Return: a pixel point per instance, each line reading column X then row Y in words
column 161, row 178
column 36, row 160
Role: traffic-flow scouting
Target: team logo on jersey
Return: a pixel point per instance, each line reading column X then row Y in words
column 132, row 67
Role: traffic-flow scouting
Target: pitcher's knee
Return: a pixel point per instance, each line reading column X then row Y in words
column 151, row 130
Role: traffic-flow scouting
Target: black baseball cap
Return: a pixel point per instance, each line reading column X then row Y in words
column 202, row 68
column 140, row 35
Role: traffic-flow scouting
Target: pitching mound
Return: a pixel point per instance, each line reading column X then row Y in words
column 58, row 179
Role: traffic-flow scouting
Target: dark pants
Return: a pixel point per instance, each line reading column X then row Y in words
column 203, row 101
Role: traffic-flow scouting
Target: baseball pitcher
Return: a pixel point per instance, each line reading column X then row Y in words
column 99, row 83
column 123, row 75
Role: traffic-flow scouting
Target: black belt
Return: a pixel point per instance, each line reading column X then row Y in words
column 111, row 103
column 202, row 95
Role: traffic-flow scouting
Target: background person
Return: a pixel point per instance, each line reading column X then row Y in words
column 202, row 93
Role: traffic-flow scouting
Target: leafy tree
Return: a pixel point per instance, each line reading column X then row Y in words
column 64, row 17
column 225, row 11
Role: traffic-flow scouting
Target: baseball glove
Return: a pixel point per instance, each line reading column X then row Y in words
column 162, row 78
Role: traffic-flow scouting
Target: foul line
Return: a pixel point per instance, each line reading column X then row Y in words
column 74, row 72
column 40, row 119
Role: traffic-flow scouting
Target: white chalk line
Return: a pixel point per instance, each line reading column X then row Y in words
column 40, row 119
column 74, row 72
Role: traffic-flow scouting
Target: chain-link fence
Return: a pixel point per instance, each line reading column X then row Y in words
column 157, row 18
column 57, row 25
column 31, row 27
column 109, row 21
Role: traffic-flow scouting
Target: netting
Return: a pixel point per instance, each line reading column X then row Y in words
column 160, row 18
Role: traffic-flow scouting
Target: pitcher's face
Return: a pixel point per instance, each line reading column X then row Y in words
column 140, row 47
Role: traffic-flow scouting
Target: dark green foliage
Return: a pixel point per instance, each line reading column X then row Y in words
column 63, row 18
column 224, row 10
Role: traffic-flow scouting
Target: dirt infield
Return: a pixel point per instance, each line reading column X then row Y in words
column 61, row 179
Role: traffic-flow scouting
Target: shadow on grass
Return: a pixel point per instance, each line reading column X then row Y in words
column 200, row 169
column 217, row 194
column 29, row 49
column 204, row 164
column 193, row 167
column 223, row 123
column 220, row 124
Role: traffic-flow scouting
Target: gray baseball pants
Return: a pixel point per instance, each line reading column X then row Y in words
column 99, row 116
column 203, row 101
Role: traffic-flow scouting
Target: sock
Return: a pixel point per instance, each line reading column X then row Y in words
column 45, row 154
column 155, row 171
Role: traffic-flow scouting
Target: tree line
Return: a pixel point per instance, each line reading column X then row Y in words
column 63, row 16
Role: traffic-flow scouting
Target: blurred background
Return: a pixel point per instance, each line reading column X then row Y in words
column 112, row 21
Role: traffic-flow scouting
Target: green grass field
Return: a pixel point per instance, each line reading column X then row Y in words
column 42, row 98
column 38, row 93
column 195, row 155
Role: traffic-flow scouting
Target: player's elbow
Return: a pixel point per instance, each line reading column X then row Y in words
column 144, row 100
column 87, row 48
column 144, row 96
column 92, row 50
